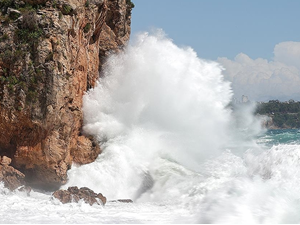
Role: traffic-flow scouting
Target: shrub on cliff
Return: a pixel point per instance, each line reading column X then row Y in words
column 130, row 4
column 30, row 20
column 6, row 3
column 29, row 31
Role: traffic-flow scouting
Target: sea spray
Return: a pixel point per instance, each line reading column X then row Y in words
column 156, row 86
column 156, row 101
column 245, row 128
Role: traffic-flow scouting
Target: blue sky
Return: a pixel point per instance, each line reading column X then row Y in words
column 217, row 28
column 257, row 41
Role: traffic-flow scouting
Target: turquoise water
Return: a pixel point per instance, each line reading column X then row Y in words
column 281, row 136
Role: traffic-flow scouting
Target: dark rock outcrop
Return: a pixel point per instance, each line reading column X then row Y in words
column 51, row 52
column 123, row 200
column 74, row 194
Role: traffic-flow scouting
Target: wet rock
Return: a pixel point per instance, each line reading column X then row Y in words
column 74, row 194
column 63, row 195
column 123, row 200
column 26, row 189
column 11, row 177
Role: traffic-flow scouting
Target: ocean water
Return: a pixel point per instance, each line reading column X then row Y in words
column 174, row 145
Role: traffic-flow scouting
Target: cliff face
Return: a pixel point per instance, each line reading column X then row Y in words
column 51, row 52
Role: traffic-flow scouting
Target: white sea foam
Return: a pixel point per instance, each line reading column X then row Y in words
column 260, row 188
column 155, row 101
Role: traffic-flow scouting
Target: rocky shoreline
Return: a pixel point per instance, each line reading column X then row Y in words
column 15, row 180
column 51, row 53
column 268, row 123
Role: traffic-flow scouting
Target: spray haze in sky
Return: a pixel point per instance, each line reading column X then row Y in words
column 263, row 80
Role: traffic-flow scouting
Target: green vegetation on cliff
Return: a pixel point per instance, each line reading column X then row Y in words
column 283, row 114
column 130, row 4
column 25, row 34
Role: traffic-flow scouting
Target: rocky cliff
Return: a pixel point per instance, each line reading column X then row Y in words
column 51, row 52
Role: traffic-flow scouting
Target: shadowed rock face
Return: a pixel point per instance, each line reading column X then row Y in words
column 50, row 54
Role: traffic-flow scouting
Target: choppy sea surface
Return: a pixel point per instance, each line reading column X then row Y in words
column 254, row 188
column 172, row 144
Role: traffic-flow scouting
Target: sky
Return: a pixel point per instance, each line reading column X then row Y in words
column 257, row 42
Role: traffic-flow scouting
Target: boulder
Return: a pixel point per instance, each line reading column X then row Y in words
column 11, row 177
column 74, row 194
column 26, row 189
column 5, row 161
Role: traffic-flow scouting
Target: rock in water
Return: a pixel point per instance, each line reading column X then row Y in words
column 123, row 200
column 74, row 194
column 11, row 177
column 49, row 57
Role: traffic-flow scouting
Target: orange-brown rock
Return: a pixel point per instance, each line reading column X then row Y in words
column 5, row 161
column 49, row 57
column 11, row 177
column 75, row 194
